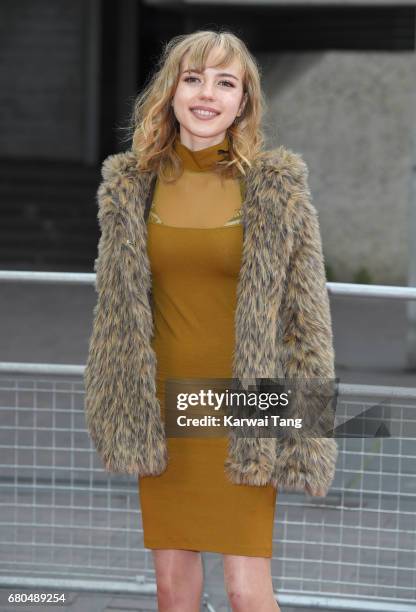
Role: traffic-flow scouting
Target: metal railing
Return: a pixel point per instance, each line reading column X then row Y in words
column 66, row 523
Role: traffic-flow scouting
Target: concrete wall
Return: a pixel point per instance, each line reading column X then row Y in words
column 43, row 79
column 350, row 115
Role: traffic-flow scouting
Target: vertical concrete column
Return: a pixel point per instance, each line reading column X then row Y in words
column 91, row 53
column 127, row 65
column 411, row 304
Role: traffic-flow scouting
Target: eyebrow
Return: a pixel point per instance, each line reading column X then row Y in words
column 223, row 74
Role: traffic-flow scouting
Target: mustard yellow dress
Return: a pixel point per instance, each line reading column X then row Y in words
column 195, row 238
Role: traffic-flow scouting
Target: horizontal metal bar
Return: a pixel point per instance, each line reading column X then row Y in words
column 344, row 389
column 70, row 278
column 371, row 291
column 97, row 586
column 377, row 391
column 88, row 278
column 332, row 602
column 41, row 368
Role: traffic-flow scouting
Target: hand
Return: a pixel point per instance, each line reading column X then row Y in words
column 317, row 491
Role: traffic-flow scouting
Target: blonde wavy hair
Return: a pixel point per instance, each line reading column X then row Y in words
column 153, row 125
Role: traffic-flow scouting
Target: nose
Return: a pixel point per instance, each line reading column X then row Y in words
column 207, row 89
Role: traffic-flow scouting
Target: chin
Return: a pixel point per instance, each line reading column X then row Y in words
column 206, row 129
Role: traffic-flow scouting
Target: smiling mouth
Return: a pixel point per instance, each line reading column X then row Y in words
column 202, row 114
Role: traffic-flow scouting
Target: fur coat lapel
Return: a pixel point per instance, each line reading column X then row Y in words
column 282, row 322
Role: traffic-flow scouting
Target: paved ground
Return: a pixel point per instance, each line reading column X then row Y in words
column 51, row 324
column 94, row 602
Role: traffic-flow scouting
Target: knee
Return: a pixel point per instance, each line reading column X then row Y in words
column 242, row 597
column 168, row 596
column 175, row 592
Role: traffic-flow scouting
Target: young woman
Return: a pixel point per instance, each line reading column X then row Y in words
column 209, row 265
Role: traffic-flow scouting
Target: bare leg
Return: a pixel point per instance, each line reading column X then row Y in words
column 179, row 580
column 248, row 583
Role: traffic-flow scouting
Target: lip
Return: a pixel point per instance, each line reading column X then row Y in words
column 205, row 108
column 203, row 117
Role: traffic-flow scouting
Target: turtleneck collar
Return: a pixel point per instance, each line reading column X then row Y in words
column 203, row 159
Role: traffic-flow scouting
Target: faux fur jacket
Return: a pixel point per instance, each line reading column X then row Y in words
column 282, row 323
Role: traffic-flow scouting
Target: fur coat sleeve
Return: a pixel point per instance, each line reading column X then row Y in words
column 124, row 441
column 304, row 335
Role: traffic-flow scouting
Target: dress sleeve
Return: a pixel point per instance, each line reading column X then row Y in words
column 305, row 343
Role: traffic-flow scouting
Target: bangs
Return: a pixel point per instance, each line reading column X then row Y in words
column 199, row 52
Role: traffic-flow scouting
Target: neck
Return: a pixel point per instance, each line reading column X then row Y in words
column 196, row 143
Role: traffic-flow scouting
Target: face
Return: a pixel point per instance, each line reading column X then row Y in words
column 218, row 90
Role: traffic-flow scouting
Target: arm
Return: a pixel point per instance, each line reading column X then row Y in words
column 120, row 405
column 305, row 461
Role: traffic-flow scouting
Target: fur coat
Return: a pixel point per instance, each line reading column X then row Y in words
column 282, row 323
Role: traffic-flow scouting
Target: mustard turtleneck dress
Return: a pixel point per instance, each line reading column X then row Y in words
column 195, row 238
